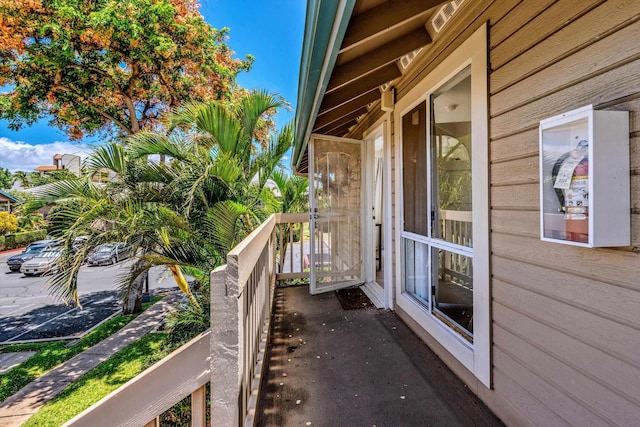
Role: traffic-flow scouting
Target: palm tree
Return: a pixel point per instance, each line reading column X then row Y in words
column 223, row 163
column 185, row 213
column 294, row 191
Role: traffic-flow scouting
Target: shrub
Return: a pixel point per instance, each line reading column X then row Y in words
column 19, row 240
column 8, row 223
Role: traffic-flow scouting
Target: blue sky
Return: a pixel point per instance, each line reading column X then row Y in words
column 270, row 30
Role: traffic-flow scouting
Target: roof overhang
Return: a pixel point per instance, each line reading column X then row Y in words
column 10, row 197
column 351, row 48
column 325, row 26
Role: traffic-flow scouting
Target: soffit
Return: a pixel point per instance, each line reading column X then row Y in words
column 378, row 34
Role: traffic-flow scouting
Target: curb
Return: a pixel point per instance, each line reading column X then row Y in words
column 10, row 251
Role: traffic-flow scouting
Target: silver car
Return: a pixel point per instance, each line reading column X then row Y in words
column 45, row 262
column 108, row 253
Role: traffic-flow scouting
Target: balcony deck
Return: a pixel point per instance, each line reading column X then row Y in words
column 327, row 366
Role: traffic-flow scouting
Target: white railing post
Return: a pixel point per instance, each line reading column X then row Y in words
column 225, row 349
column 153, row 423
column 199, row 407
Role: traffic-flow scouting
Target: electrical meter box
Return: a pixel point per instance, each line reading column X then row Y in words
column 584, row 178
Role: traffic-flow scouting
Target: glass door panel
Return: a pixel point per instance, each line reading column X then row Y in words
column 451, row 160
column 453, row 293
column 437, row 204
column 336, row 259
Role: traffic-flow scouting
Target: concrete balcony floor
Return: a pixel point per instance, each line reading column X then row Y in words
column 327, row 366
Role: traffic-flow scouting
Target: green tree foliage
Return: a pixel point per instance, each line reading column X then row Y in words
column 293, row 190
column 36, row 179
column 184, row 214
column 108, row 66
column 8, row 223
column 6, row 179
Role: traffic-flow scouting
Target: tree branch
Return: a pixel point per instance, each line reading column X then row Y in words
column 101, row 112
column 96, row 70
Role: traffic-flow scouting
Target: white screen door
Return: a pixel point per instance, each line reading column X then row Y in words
column 335, row 259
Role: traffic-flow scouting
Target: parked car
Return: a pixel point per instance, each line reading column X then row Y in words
column 78, row 243
column 34, row 249
column 43, row 263
column 108, row 253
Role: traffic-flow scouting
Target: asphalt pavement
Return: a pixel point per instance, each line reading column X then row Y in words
column 28, row 312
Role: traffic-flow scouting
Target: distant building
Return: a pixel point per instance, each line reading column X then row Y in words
column 70, row 162
column 73, row 163
column 7, row 202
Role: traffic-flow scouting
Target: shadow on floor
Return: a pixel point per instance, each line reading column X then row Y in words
column 331, row 367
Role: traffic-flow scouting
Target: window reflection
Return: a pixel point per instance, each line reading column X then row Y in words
column 451, row 160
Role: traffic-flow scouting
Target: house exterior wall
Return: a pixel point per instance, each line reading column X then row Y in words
column 73, row 163
column 5, row 204
column 565, row 319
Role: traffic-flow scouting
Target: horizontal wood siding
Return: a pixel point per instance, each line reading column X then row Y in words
column 566, row 320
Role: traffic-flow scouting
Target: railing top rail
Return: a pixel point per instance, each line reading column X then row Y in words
column 286, row 218
column 453, row 215
column 155, row 390
column 243, row 257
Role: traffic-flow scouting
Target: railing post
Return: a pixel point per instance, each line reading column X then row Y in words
column 199, row 408
column 153, row 423
column 225, row 347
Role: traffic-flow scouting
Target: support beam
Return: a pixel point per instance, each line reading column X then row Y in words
column 356, row 103
column 342, row 130
column 199, row 407
column 324, row 127
column 360, row 86
column 378, row 57
column 384, row 17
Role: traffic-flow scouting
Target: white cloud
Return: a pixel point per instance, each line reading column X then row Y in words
column 20, row 156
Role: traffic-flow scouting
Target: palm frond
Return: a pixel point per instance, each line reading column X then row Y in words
column 185, row 115
column 146, row 143
column 265, row 163
column 109, row 156
column 254, row 105
column 216, row 121
column 222, row 223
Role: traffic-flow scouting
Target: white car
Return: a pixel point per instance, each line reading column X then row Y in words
column 44, row 263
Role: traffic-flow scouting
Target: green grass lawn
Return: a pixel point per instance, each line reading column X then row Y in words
column 100, row 381
column 51, row 354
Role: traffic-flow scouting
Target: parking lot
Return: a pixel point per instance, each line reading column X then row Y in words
column 28, row 312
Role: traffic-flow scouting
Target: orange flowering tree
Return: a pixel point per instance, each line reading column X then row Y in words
column 108, row 66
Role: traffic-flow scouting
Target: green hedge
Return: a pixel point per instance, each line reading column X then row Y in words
column 22, row 239
column 1, row 243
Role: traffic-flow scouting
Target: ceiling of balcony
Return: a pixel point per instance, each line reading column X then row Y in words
column 380, row 37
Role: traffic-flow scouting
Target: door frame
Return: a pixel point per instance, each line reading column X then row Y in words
column 381, row 296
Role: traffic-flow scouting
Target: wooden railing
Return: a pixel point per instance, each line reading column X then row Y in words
column 140, row 401
column 456, row 228
column 241, row 298
column 292, row 255
column 230, row 355
column 241, row 302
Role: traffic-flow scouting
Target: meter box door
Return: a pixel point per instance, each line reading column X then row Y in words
column 584, row 178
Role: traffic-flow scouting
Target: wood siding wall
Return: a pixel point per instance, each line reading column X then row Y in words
column 565, row 319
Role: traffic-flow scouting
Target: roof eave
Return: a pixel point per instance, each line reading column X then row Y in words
column 325, row 27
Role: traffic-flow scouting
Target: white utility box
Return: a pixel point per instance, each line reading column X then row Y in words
column 584, row 178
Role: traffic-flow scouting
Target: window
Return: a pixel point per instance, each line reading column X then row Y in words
column 442, row 125
column 438, row 222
